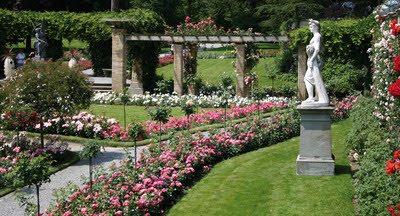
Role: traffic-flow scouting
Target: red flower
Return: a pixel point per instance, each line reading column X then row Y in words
column 396, row 63
column 396, row 154
column 394, row 89
column 390, row 167
column 390, row 209
column 394, row 27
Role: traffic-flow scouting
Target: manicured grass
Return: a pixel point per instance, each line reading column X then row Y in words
column 133, row 113
column 69, row 159
column 210, row 71
column 264, row 182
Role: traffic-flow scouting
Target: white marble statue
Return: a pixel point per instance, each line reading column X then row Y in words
column 313, row 78
column 9, row 67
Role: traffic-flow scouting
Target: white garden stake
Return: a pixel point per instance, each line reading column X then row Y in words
column 9, row 67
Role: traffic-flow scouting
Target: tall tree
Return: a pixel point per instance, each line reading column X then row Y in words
column 281, row 15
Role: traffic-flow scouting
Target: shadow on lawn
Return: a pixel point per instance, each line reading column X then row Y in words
column 342, row 169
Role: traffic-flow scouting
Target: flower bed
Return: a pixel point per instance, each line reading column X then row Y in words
column 179, row 123
column 12, row 149
column 204, row 101
column 166, row 170
column 165, row 60
column 82, row 125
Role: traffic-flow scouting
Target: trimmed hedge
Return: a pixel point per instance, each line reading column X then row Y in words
column 89, row 27
column 347, row 39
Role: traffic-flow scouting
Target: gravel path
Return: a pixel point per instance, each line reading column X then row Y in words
column 10, row 207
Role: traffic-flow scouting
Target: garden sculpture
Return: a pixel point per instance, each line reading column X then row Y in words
column 313, row 79
column 9, row 67
column 40, row 43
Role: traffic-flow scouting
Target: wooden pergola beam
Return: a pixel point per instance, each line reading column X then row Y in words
column 207, row 39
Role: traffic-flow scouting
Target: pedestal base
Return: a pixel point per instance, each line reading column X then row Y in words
column 315, row 157
column 315, row 166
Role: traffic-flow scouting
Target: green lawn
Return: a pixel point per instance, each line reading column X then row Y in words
column 264, row 182
column 210, row 70
column 133, row 113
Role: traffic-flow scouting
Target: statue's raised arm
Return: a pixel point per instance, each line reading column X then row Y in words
column 313, row 78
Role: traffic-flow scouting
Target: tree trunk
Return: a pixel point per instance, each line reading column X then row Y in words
column 90, row 173
column 38, row 198
column 41, row 134
column 114, row 5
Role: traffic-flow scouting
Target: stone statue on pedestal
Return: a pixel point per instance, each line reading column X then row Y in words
column 315, row 157
column 40, row 43
column 313, row 78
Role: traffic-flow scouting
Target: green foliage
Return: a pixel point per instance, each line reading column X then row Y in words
column 160, row 113
column 347, row 39
column 342, row 79
column 374, row 189
column 188, row 107
column 89, row 27
column 48, row 88
column 30, row 171
column 165, row 86
column 90, row 150
column 286, row 60
column 282, row 14
column 136, row 130
column 364, row 124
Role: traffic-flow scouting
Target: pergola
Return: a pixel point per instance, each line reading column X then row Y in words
column 119, row 56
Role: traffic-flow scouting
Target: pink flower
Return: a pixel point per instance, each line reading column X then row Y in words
column 17, row 149
column 67, row 213
column 84, row 211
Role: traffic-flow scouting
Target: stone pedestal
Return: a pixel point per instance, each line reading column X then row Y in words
column 315, row 156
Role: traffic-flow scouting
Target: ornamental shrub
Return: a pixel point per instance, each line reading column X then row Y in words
column 48, row 88
column 342, row 79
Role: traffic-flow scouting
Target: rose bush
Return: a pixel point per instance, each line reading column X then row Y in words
column 166, row 170
column 204, row 101
column 12, row 149
column 179, row 123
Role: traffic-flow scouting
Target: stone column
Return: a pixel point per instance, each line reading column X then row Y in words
column 119, row 55
column 178, row 68
column 136, row 86
column 240, row 66
column 315, row 156
column 193, row 49
column 301, row 71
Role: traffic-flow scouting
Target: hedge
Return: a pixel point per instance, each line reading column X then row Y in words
column 90, row 27
column 347, row 39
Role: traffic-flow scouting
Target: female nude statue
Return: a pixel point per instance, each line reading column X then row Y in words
column 313, row 76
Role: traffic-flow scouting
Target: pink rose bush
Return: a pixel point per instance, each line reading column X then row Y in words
column 179, row 123
column 166, row 170
column 12, row 149
column 83, row 125
column 343, row 107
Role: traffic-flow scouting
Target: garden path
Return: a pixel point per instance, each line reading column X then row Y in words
column 74, row 173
